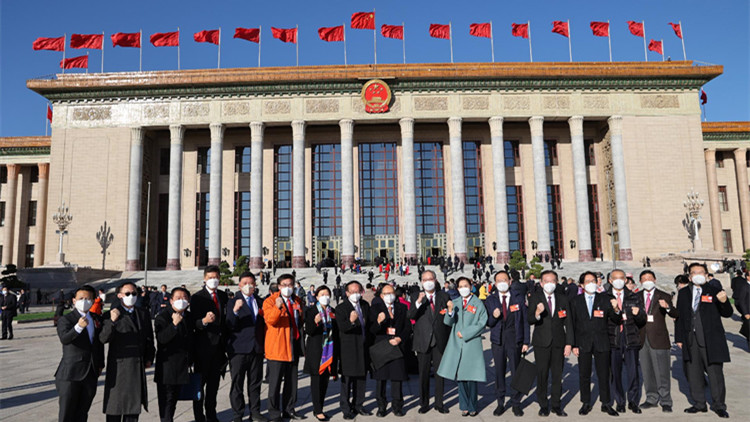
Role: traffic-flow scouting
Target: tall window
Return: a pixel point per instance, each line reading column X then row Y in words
column 473, row 187
column 32, row 214
column 378, row 189
column 719, row 159
column 201, row 228
column 242, row 159
column 29, row 256
column 241, row 224
column 429, row 187
column 514, row 195
column 204, row 160
column 723, row 201
column 555, row 219
column 326, row 192
column 550, row 153
column 2, row 214
column 282, row 191
column 164, row 161
column 588, row 146
column 726, row 239
column 596, row 232
column 3, row 174
column 34, row 174
column 512, row 155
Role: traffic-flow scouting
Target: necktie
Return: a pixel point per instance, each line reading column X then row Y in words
column 648, row 301
column 293, row 318
column 361, row 320
column 432, row 304
column 216, row 301
column 549, row 302
column 619, row 305
column 505, row 308
column 464, row 304
column 252, row 308
column 697, row 299
column 390, row 311
column 590, row 299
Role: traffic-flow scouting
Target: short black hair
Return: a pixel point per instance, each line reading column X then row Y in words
column 582, row 278
column 645, row 272
column 697, row 264
column 681, row 279
column 545, row 272
column 125, row 284
column 163, row 285
column 211, row 269
column 85, row 288
column 321, row 288
column 464, row 278
column 494, row 277
column 283, row 277
column 180, row 289
column 247, row 274
column 354, row 282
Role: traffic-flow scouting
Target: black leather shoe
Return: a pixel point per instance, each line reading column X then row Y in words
column 609, row 410
column 364, row 412
column 349, row 416
column 666, row 409
column 423, row 410
column 544, row 411
column 499, row 410
column 517, row 411
column 585, row 409
column 400, row 413
column 693, row 409
column 442, row 409
column 634, row 408
column 258, row 418
column 559, row 412
column 620, row 408
column 380, row 413
column 293, row 416
column 647, row 405
column 721, row 413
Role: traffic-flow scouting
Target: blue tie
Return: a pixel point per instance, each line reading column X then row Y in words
column 250, row 304
column 591, row 303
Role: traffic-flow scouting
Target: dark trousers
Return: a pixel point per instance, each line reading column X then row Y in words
column 426, row 362
column 318, row 388
column 602, row 374
column 7, row 325
column 241, row 366
column 549, row 359
column 281, row 400
column 209, row 387
column 122, row 418
column 75, row 398
column 352, row 396
column 628, row 357
column 467, row 396
column 696, row 367
column 167, row 395
column 504, row 355
column 397, row 395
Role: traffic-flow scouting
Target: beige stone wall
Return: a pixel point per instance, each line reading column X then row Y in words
column 730, row 220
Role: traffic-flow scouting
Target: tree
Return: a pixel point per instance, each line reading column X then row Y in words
column 536, row 268
column 746, row 257
column 240, row 266
column 225, row 275
column 517, row 261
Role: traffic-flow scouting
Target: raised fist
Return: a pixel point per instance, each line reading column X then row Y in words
column 722, row 296
column 83, row 322
column 279, row 302
column 613, row 302
column 663, row 303
column 176, row 318
column 237, row 305
column 496, row 313
column 114, row 314
column 539, row 309
column 635, row 310
column 318, row 318
column 450, row 306
column 209, row 318
column 353, row 316
column 381, row 317
column 421, row 297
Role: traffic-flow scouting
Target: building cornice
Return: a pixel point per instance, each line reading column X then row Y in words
column 726, row 131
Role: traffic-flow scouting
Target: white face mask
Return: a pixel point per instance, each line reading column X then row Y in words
column 549, row 288
column 83, row 305
column 103, row 297
column 648, row 285
column 129, row 301
column 5, row 292
column 503, row 286
column 354, row 297
column 212, row 283
column 247, row 289
column 324, row 300
column 429, row 285
column 699, row 279
column 464, row 291
column 618, row 283
column 180, row 304
column 389, row 299
column 590, row 288
column 286, row 291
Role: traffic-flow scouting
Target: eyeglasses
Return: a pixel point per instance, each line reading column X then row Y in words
column 130, row 294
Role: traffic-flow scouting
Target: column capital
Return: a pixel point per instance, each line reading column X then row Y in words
column 407, row 127
column 13, row 171
column 615, row 124
column 740, row 154
column 176, row 133
column 43, row 170
column 298, row 129
column 536, row 123
column 347, row 126
column 710, row 155
column 576, row 125
column 136, row 134
column 217, row 130
column 454, row 126
column 258, row 127
column 496, row 126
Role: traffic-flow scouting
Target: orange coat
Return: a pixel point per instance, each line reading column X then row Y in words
column 278, row 332
column 97, row 307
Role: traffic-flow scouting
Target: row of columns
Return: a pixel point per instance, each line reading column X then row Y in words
column 10, row 214
column 740, row 166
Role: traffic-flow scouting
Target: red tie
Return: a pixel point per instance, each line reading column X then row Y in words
column 294, row 323
column 465, row 303
column 216, row 301
column 505, row 308
column 432, row 304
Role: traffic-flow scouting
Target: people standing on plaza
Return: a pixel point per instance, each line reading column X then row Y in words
column 700, row 334
column 128, row 331
column 282, row 312
column 246, row 330
column 322, row 349
column 463, row 360
column 509, row 337
column 655, row 344
column 352, row 316
column 8, row 306
column 208, row 309
column 742, row 303
column 82, row 358
column 173, row 329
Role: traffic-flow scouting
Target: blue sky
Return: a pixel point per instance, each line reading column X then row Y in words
column 715, row 32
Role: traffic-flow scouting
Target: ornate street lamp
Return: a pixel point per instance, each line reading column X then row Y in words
column 693, row 206
column 63, row 219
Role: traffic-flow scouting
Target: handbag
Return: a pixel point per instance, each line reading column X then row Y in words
column 383, row 352
column 192, row 390
column 523, row 378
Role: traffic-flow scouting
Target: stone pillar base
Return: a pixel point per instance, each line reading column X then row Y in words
column 256, row 263
column 585, row 255
column 543, row 256
column 298, row 262
column 173, row 265
column 411, row 258
column 626, row 254
column 347, row 260
column 214, row 261
column 462, row 256
column 132, row 265
column 502, row 257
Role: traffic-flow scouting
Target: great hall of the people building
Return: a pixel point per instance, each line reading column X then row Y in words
column 301, row 164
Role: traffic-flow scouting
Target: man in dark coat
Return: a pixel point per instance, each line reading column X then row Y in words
column 208, row 308
column 162, row 300
column 8, row 305
column 742, row 303
column 82, row 358
column 700, row 334
column 352, row 316
column 128, row 331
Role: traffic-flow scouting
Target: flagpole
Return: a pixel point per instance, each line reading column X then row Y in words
column 46, row 120
column 296, row 36
column 531, row 56
column 218, row 65
column 450, row 36
column 260, row 31
column 374, row 37
column 645, row 50
column 570, row 47
column 344, row 27
column 609, row 40
column 662, row 49
column 102, row 51
column 140, row 52
column 65, row 46
column 682, row 38
column 492, row 43
column 403, row 40
column 87, row 62
column 178, row 48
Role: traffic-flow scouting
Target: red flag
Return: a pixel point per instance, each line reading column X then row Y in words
column 54, row 44
column 211, row 36
column 363, row 20
column 480, row 30
column 440, row 31
column 285, row 35
column 600, row 29
column 560, row 27
column 166, row 39
column 636, row 28
column 81, row 62
column 704, row 97
column 49, row 113
column 655, row 46
column 332, row 33
column 87, row 41
column 521, row 30
column 132, row 39
column 677, row 27
column 392, row 31
column 249, row 34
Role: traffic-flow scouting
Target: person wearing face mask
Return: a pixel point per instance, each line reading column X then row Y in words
column 82, row 357
column 246, row 331
column 430, row 338
column 208, row 308
column 463, row 360
column 128, row 331
column 591, row 312
column 353, row 318
column 173, row 329
column 742, row 303
column 654, row 339
column 282, row 312
column 509, row 336
column 700, row 334
column 322, row 349
column 8, row 306
column 624, row 342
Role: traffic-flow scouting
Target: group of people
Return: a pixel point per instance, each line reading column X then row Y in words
column 614, row 329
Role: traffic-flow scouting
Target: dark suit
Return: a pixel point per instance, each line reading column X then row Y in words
column 10, row 303
column 210, row 356
column 704, row 343
column 553, row 330
column 355, row 359
column 82, row 361
column 395, row 370
column 316, row 333
column 654, row 354
column 173, row 359
column 430, row 339
column 245, row 341
column 508, row 334
column 742, row 303
column 592, row 341
column 625, row 341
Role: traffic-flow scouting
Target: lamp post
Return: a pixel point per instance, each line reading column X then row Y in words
column 693, row 205
column 63, row 219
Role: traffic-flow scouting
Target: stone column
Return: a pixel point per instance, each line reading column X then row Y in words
column 133, row 254
column 41, row 214
column 713, row 199
column 174, row 217
column 621, row 192
column 457, row 188
column 581, row 189
column 740, row 165
column 409, row 218
column 256, row 195
column 347, row 191
column 10, row 214
column 215, row 186
column 298, row 194
column 501, row 201
column 536, row 124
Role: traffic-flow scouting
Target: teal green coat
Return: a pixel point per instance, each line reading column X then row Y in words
column 463, row 359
